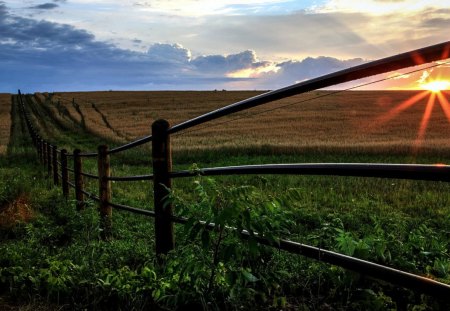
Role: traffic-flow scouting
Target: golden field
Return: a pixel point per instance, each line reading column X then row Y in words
column 387, row 121
column 5, row 121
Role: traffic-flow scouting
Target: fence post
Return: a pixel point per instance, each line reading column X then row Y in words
column 79, row 183
column 49, row 159
column 55, row 164
column 64, row 174
column 162, row 165
column 44, row 153
column 104, row 189
column 39, row 147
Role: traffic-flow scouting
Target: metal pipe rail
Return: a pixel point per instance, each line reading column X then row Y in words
column 89, row 175
column 132, row 209
column 130, row 178
column 380, row 272
column 88, row 154
column 435, row 172
column 132, row 144
column 90, row 195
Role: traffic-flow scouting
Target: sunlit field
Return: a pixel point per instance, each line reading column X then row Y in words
column 363, row 121
column 5, row 121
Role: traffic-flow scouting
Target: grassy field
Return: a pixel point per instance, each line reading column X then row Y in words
column 55, row 253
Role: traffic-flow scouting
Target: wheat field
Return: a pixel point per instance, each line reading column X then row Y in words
column 379, row 121
column 5, row 121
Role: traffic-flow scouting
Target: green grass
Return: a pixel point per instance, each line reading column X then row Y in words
column 58, row 257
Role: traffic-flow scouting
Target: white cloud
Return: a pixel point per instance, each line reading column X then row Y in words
column 380, row 7
column 423, row 78
column 291, row 72
column 229, row 63
column 208, row 7
column 173, row 53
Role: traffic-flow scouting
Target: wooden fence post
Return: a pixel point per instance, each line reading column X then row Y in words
column 104, row 189
column 44, row 153
column 39, row 146
column 49, row 159
column 64, row 174
column 32, row 133
column 55, row 164
column 162, row 165
column 79, row 183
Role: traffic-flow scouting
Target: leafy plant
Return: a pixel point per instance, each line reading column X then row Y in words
column 234, row 217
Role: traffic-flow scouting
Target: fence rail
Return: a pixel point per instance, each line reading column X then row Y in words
column 163, row 174
column 399, row 171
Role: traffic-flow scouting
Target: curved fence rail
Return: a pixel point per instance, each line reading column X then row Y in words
column 399, row 171
column 163, row 173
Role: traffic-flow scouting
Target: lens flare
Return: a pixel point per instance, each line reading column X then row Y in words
column 436, row 86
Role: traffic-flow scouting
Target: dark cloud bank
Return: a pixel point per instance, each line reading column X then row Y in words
column 40, row 55
column 45, row 6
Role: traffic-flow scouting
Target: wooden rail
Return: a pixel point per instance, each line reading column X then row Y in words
column 162, row 171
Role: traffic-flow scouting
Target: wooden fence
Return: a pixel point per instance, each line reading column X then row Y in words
column 56, row 163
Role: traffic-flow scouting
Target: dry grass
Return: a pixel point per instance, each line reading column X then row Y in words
column 360, row 120
column 8, row 305
column 17, row 211
column 5, row 121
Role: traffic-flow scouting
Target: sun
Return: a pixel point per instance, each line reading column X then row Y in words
column 436, row 86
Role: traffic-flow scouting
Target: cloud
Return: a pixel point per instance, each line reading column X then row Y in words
column 173, row 53
column 433, row 19
column 312, row 67
column 291, row 72
column 45, row 6
column 41, row 34
column 296, row 35
column 281, row 31
column 46, row 56
column 228, row 63
column 41, row 55
column 436, row 22
column 380, row 7
column 424, row 77
column 207, row 7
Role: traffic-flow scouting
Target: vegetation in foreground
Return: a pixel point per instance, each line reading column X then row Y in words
column 51, row 253
column 54, row 254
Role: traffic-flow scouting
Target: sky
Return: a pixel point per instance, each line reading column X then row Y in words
column 86, row 45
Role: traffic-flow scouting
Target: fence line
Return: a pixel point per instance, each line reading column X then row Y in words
column 163, row 174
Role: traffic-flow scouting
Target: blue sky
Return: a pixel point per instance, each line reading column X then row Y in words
column 71, row 45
